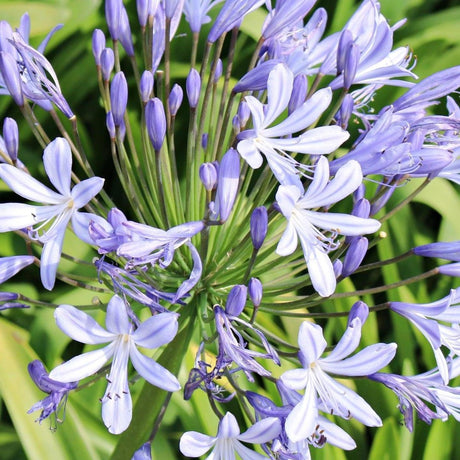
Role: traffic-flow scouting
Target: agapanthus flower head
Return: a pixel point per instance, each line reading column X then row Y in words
column 303, row 222
column 123, row 341
column 47, row 223
column 322, row 391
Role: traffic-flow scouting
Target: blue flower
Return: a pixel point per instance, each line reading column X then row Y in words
column 123, row 342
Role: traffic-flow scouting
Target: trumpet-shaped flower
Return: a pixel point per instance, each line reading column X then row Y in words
column 228, row 439
column 48, row 223
column 304, row 224
column 272, row 141
column 322, row 391
column 123, row 342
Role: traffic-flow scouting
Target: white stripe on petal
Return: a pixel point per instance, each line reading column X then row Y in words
column 86, row 190
column 156, row 331
column 194, row 444
column 57, row 160
column 117, row 320
column 279, row 89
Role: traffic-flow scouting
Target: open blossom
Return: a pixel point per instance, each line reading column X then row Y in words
column 272, row 141
column 304, row 223
column 322, row 392
column 228, row 439
column 123, row 342
column 47, row 223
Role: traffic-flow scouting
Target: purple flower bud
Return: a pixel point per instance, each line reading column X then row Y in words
column 193, row 87
column 208, row 175
column 11, row 138
column 227, row 188
column 361, row 208
column 146, row 85
column 6, row 36
column 118, row 97
column 358, row 310
column 155, row 120
column 259, row 226
column 443, row 250
column 175, row 99
column 381, row 202
column 172, row 8
column 351, row 65
column 345, row 111
column 299, row 92
column 236, row 125
column 450, row 269
column 243, row 113
column 144, row 452
column 236, row 300
column 110, row 125
column 218, row 72
column 125, row 36
column 6, row 296
column 255, row 291
column 204, row 141
column 98, row 45
column 113, row 16
column 337, row 266
column 145, row 8
column 345, row 41
column 107, row 63
column 355, row 255
column 11, row 77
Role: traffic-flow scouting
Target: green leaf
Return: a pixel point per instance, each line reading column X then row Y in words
column 386, row 443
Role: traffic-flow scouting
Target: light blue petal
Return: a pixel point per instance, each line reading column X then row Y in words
column 80, row 327
column 257, row 112
column 347, row 343
column 279, row 89
column 262, row 431
column 295, row 379
column 249, row 152
column 57, row 159
column 366, row 362
column 288, row 241
column 246, row 453
column 81, row 221
column 301, row 422
column 195, row 274
column 194, row 444
column 156, row 331
column 9, row 266
column 26, row 186
column 335, row 435
column 117, row 320
column 304, row 116
column 311, row 342
column 287, row 197
column 50, row 257
column 320, row 180
column 153, row 372
column 228, row 427
column 16, row 216
column 343, row 224
column 86, row 190
column 83, row 366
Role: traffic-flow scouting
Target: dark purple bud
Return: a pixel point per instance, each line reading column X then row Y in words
column 146, row 85
column 382, row 200
column 175, row 99
column 255, row 291
column 113, row 17
column 144, row 10
column 208, row 175
column 345, row 111
column 218, row 72
column 7, row 296
column 355, row 255
column 98, row 45
column 11, row 77
column 243, row 113
column 236, row 125
column 155, row 120
column 107, row 63
column 358, row 310
column 193, row 88
column 110, row 125
column 118, row 97
column 361, row 208
column 259, row 226
column 125, row 36
column 227, row 188
column 172, row 7
column 236, row 300
column 11, row 138
column 299, row 93
column 351, row 65
column 345, row 41
column 204, row 141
